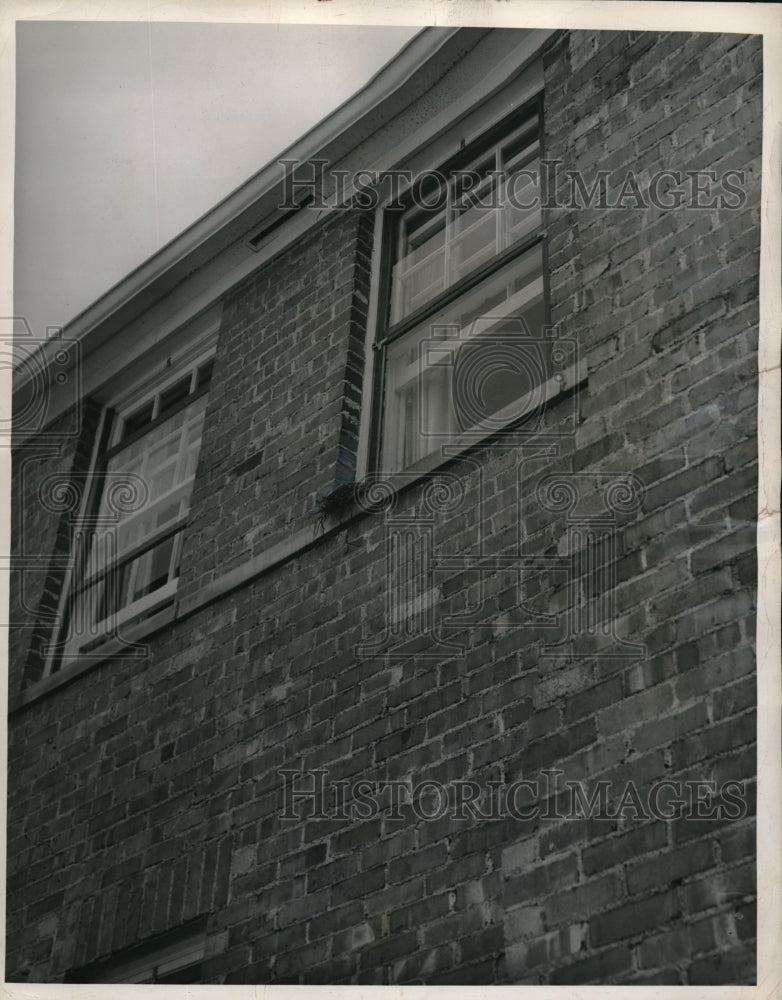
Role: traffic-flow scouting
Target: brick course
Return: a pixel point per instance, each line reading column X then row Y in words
column 148, row 792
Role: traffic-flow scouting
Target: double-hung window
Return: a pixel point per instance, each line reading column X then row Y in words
column 174, row 958
column 463, row 307
column 127, row 557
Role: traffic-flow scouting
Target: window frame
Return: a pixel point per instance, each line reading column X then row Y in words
column 385, row 333
column 157, row 961
column 109, row 442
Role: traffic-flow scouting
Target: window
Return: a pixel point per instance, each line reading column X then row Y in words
column 128, row 554
column 460, row 337
column 174, row 958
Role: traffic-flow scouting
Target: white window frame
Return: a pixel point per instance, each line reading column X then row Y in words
column 387, row 232
column 188, row 353
column 433, row 146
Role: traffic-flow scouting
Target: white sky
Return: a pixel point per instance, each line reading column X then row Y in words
column 126, row 133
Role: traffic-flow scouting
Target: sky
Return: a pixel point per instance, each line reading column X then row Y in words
column 126, row 133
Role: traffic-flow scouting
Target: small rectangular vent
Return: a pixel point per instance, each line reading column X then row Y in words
column 259, row 237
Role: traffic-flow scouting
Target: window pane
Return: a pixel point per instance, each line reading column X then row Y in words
column 521, row 213
column 474, row 241
column 470, row 360
column 418, row 274
column 475, row 223
column 175, row 394
column 438, row 246
column 152, row 569
column 137, row 420
column 165, row 462
column 161, row 465
column 521, row 146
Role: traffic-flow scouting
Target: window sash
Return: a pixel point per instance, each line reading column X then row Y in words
column 478, row 255
column 175, row 444
column 419, row 410
column 127, row 576
column 131, row 557
column 437, row 247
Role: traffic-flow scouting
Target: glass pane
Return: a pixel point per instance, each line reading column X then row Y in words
column 474, row 183
column 99, row 602
column 161, row 477
column 418, row 274
column 85, row 610
column 194, row 429
column 521, row 214
column 116, row 583
column 137, row 420
column 174, row 394
column 472, row 359
column 161, row 453
column 152, row 569
column 521, row 146
column 160, row 465
column 164, row 460
column 145, row 469
column 439, row 246
column 474, row 241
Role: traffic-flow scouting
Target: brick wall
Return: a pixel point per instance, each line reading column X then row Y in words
column 148, row 793
column 284, row 407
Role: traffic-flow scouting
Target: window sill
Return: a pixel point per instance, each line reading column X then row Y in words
column 281, row 553
column 504, row 421
column 80, row 665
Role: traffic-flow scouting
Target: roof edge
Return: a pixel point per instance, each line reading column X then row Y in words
column 389, row 79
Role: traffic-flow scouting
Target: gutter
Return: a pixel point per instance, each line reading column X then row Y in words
column 428, row 55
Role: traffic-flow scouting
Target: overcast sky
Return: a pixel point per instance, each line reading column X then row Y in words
column 126, row 133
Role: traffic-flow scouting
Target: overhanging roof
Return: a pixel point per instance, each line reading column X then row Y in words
column 415, row 69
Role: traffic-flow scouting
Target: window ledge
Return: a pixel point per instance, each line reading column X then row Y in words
column 305, row 538
column 288, row 549
column 112, row 648
column 503, row 421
